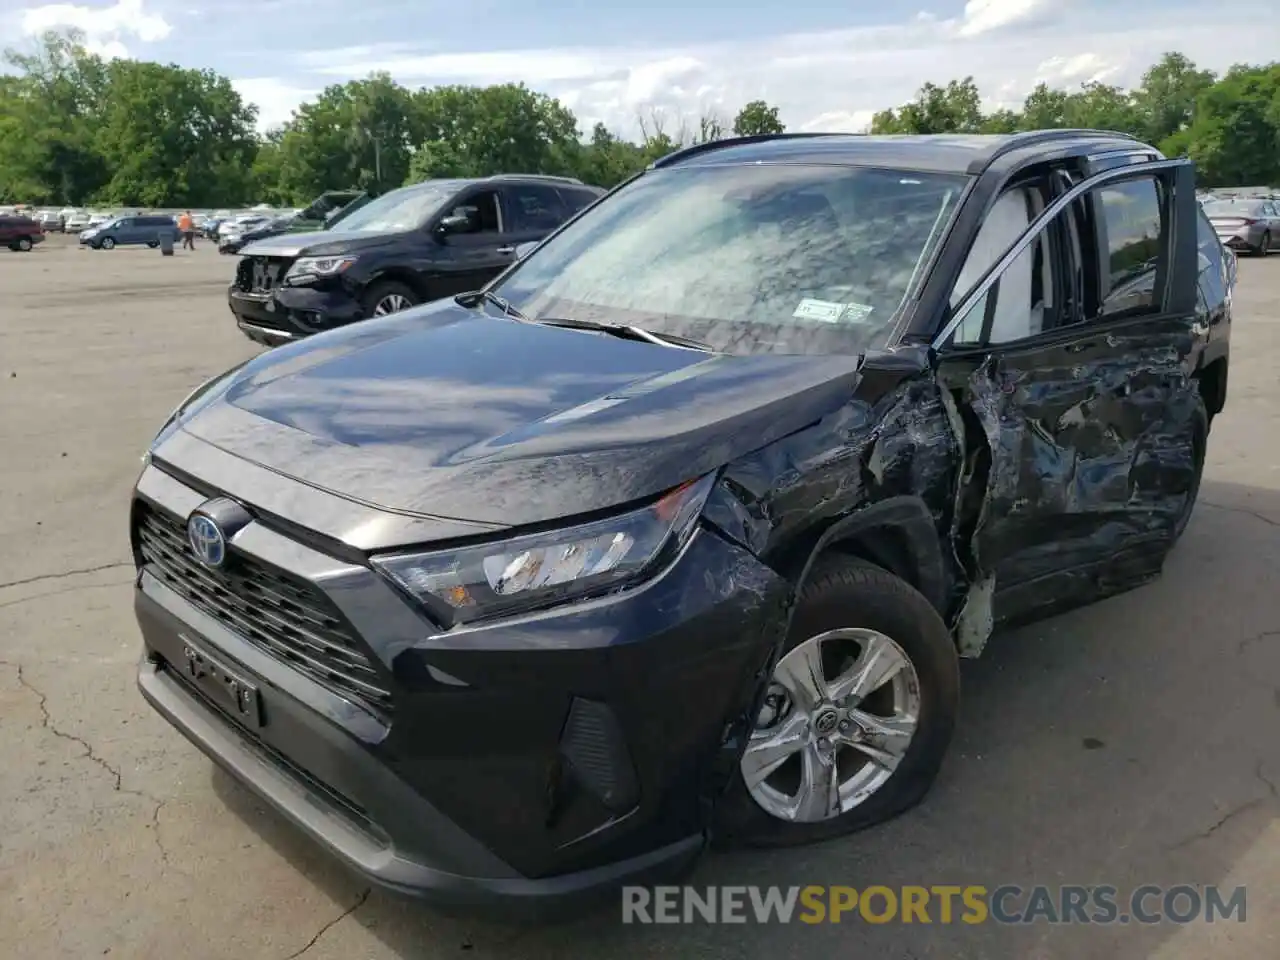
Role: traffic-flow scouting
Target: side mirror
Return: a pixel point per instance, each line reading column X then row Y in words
column 454, row 223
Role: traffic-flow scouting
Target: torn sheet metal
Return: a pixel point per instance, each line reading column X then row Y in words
column 1092, row 451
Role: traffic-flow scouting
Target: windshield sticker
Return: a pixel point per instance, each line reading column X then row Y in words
column 825, row 311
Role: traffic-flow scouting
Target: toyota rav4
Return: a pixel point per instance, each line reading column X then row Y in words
column 677, row 529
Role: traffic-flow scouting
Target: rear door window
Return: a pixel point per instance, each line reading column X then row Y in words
column 575, row 200
column 535, row 208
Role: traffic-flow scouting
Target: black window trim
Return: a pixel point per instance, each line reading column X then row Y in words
column 466, row 196
column 1047, row 216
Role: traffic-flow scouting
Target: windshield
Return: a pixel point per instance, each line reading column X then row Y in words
column 404, row 209
column 761, row 258
column 1233, row 208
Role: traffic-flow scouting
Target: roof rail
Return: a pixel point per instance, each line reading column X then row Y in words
column 534, row 176
column 1017, row 141
column 710, row 145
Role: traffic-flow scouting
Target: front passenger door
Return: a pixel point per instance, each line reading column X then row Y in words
column 1071, row 371
column 476, row 253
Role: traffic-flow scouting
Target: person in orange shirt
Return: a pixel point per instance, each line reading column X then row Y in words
column 187, row 228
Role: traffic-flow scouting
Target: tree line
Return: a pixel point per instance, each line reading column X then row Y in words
column 75, row 129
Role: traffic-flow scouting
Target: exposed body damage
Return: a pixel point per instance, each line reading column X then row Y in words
column 1090, row 460
column 1052, row 474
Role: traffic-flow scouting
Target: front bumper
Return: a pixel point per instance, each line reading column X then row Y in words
column 485, row 785
column 291, row 313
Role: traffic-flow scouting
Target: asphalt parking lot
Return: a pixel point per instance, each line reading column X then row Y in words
column 1132, row 742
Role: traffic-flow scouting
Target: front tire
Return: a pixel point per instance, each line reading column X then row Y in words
column 388, row 297
column 24, row 245
column 107, row 244
column 860, row 712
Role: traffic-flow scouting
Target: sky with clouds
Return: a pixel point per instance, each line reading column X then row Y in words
column 828, row 65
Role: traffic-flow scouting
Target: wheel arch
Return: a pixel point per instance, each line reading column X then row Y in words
column 898, row 534
column 411, row 279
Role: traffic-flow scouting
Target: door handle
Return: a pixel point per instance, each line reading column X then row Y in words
column 507, row 249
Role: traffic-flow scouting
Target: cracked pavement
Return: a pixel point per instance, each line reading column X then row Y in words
column 1128, row 743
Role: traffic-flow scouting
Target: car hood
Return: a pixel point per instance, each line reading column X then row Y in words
column 446, row 412
column 322, row 243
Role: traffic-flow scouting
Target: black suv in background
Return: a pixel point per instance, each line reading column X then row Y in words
column 415, row 244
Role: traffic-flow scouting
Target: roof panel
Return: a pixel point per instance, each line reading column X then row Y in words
column 940, row 153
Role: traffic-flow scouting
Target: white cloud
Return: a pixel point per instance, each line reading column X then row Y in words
column 984, row 16
column 108, row 49
column 839, row 121
column 820, row 81
column 276, row 99
column 105, row 28
column 1073, row 71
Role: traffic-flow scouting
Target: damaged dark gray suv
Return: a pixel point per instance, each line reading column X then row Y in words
column 677, row 530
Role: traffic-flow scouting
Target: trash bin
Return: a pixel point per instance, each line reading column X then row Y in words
column 166, row 243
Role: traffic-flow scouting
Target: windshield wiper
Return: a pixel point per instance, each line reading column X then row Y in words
column 477, row 297
column 628, row 332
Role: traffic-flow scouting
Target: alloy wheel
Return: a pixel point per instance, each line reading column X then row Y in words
column 391, row 303
column 24, row 244
column 839, row 716
column 108, row 244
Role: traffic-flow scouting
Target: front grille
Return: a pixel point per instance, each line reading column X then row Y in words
column 282, row 614
column 260, row 274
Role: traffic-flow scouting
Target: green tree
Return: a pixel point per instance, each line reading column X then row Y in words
column 955, row 108
column 356, row 135
column 506, row 128
column 757, row 118
column 1102, row 107
column 607, row 160
column 438, row 158
column 171, row 137
column 52, row 108
column 1235, row 137
column 1045, row 108
column 1167, row 96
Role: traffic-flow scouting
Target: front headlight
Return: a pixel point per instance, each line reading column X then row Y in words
column 538, row 570
column 308, row 267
